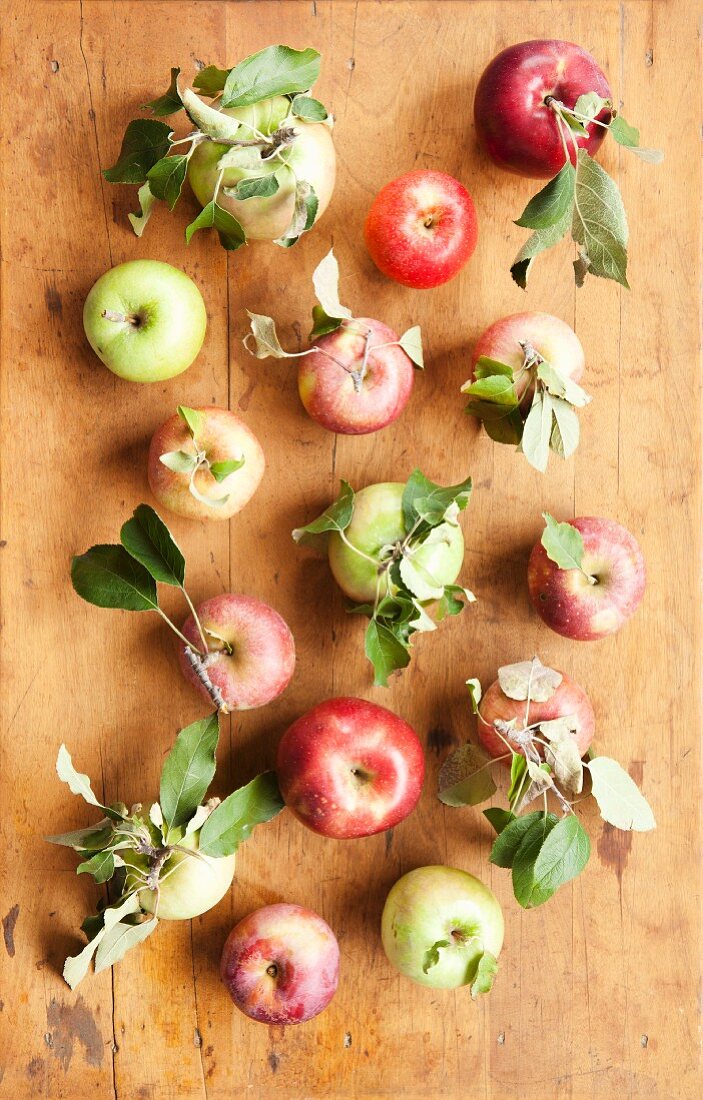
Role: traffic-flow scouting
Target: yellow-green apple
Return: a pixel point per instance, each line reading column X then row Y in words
column 376, row 528
column 515, row 121
column 513, row 339
column 280, row 964
column 190, row 882
column 568, row 700
column 309, row 156
column 357, row 379
column 204, row 465
column 421, row 228
column 349, row 768
column 145, row 320
column 251, row 656
column 594, row 600
column 437, row 923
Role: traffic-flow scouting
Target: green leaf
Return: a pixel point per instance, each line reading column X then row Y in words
column 474, row 687
column 418, row 581
column 537, row 431
column 93, row 838
column 619, row 799
column 276, row 70
column 79, row 783
column 386, row 652
column 497, row 388
column 166, row 178
column 261, row 187
column 529, row 678
column 425, row 500
column 194, row 420
column 322, row 324
column 266, row 342
column 432, row 955
column 411, row 343
column 562, row 856
column 599, row 222
column 499, row 818
column 148, row 540
column 335, row 518
column 560, row 385
column 553, row 203
column 563, row 543
column 565, row 428
column 232, row 821
column 117, row 942
column 453, row 601
column 623, row 133
column 170, row 102
column 485, row 974
column 108, row 577
column 76, row 967
column 146, row 199
column 304, row 214
column 486, row 367
column 518, row 767
column 539, row 241
column 590, row 104
column 511, row 836
column 212, row 216
column 188, row 771
column 222, row 470
column 211, row 121
column 525, row 886
column 325, row 280
column 211, row 80
column 101, row 866
column 304, row 106
column 144, row 143
column 540, row 782
column 179, row 461
column 465, row 777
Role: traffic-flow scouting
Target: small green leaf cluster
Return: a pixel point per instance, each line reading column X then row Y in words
column 485, row 967
column 189, row 462
column 404, row 586
column 179, row 814
column 542, row 849
column 144, row 156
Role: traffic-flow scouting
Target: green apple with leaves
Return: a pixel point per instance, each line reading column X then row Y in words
column 145, row 320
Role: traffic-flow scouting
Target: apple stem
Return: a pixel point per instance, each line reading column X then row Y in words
column 121, row 318
column 196, row 662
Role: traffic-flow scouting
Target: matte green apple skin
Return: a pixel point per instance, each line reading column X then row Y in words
column 424, row 907
column 378, row 521
column 172, row 320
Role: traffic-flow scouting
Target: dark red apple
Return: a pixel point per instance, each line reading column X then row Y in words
column 349, row 768
column 568, row 699
column 514, row 120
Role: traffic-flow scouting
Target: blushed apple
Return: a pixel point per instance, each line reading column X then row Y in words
column 349, row 768
column 553, row 340
column 280, row 964
column 145, row 320
column 189, row 884
column 514, row 120
column 569, row 699
column 251, row 657
column 421, row 228
column 437, row 923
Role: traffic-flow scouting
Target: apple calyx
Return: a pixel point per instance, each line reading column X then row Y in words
column 582, row 199
column 564, row 546
column 147, row 143
column 548, row 422
column 134, row 849
column 543, row 850
column 186, row 462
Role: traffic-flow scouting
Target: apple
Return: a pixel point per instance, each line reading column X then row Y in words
column 377, row 524
column 192, row 489
column 593, row 601
column 349, row 768
column 188, row 884
column 445, row 909
column 569, row 699
column 348, row 386
column 309, row 157
column 515, row 122
column 145, row 320
column 280, row 964
column 553, row 340
column 251, row 656
column 421, row 228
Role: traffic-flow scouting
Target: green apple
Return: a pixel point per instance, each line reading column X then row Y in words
column 437, row 923
column 146, row 320
column 377, row 526
column 190, row 882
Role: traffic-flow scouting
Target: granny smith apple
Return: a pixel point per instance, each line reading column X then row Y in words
column 146, row 320
column 376, row 526
column 437, row 923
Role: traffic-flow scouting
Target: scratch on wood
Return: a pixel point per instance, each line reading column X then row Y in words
column 69, row 1024
column 8, row 930
column 95, row 128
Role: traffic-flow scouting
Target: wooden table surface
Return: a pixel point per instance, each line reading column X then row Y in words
column 596, row 995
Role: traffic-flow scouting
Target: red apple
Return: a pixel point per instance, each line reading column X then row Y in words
column 568, row 699
column 421, row 228
column 252, row 652
column 588, row 603
column 514, row 120
column 281, row 964
column 349, row 387
column 349, row 768
column 551, row 338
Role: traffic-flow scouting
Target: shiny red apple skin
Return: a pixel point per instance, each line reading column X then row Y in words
column 327, row 389
column 401, row 242
column 568, row 699
column 349, row 768
column 555, row 341
column 515, row 126
column 565, row 599
column 280, row 964
column 263, row 659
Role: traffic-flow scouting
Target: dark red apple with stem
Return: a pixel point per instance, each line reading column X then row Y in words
column 349, row 768
column 421, row 228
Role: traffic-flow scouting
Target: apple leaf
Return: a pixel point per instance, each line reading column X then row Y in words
column 386, row 651
column 322, row 324
column 76, row 967
column 590, row 104
column 562, row 856
column 107, row 576
column 232, row 821
column 266, row 342
column 260, row 187
column 144, row 143
column 475, row 692
column 499, row 818
column 411, row 343
column 117, row 941
column 212, row 216
column 146, row 199
column 528, row 892
column 92, row 838
column 222, row 470
column 325, row 280
column 335, row 518
column 511, row 836
column 539, row 241
column 210, row 81
column 101, row 866
column 79, row 783
column 619, row 799
column 418, row 581
column 562, row 754
column 563, row 543
column 209, row 120
column 166, row 178
column 276, row 70
column 424, row 500
column 518, row 768
column 432, row 955
column 629, row 137
column 553, row 203
column 453, row 601
column 485, row 974
column 304, row 214
column 560, row 385
column 538, row 431
column 486, row 367
column 599, row 222
column 304, row 106
column 148, row 540
column 194, row 420
column 540, row 781
column 465, row 777
column 529, row 679
column 179, row 461
column 188, row 771
column 565, row 429
column 168, row 103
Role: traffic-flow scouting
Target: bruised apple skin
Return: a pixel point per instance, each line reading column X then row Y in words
column 191, row 884
column 280, row 964
column 514, row 122
column 328, row 391
column 311, row 157
column 565, row 598
column 262, row 659
column 554, row 340
column 568, row 699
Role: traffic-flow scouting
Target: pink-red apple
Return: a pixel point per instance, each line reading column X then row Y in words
column 280, row 964
column 421, row 228
column 569, row 699
column 357, row 379
column 349, row 768
column 595, row 600
column 506, row 341
column 514, row 120
column 251, row 655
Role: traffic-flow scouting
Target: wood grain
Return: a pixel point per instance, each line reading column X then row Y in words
column 597, row 992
